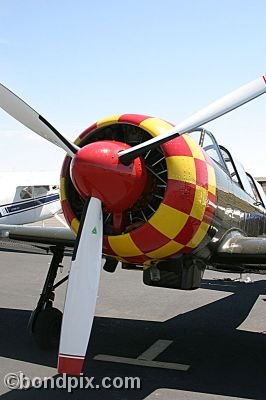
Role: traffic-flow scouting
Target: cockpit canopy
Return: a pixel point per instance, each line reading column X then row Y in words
column 222, row 156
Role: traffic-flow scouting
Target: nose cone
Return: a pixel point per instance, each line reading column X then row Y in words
column 96, row 171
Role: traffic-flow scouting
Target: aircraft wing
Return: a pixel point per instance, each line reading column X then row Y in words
column 35, row 239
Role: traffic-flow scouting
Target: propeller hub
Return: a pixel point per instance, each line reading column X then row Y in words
column 96, row 171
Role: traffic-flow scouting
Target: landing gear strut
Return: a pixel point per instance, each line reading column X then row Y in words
column 45, row 321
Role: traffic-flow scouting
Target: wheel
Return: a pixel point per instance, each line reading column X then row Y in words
column 47, row 328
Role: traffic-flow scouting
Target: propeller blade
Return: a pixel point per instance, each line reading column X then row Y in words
column 82, row 290
column 220, row 107
column 23, row 113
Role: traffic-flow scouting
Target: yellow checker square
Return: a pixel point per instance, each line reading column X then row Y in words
column 167, row 250
column 212, row 189
column 199, row 235
column 156, row 126
column 168, row 221
column 123, row 245
column 77, row 141
column 181, row 168
column 147, row 264
column 211, row 179
column 194, row 147
column 108, row 120
column 62, row 189
column 199, row 204
column 75, row 225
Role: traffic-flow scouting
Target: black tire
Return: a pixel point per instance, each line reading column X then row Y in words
column 47, row 328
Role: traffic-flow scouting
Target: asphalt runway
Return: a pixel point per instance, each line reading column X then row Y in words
column 218, row 330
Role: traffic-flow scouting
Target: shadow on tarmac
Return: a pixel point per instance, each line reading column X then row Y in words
column 224, row 360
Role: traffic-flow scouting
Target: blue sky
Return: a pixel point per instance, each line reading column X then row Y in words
column 77, row 62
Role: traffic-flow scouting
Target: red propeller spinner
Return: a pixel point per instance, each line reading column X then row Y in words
column 97, row 172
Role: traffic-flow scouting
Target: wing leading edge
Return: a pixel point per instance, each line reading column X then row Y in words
column 35, row 239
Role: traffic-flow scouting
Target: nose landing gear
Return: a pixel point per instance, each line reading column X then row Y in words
column 45, row 321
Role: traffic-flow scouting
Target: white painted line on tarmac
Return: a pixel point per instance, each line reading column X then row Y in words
column 146, row 359
column 142, row 363
column 156, row 348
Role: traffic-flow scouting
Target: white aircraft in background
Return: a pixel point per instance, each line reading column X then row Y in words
column 28, row 197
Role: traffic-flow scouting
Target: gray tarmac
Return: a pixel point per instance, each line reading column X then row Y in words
column 218, row 330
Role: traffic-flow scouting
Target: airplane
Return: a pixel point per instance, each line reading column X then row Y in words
column 139, row 190
column 27, row 197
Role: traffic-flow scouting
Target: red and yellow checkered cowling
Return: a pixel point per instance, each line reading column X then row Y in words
column 183, row 218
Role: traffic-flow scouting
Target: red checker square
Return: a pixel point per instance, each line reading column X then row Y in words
column 133, row 118
column 177, row 147
column 65, row 166
column 188, row 231
column 147, row 238
column 201, row 173
column 210, row 208
column 207, row 217
column 180, row 195
column 87, row 131
column 212, row 198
